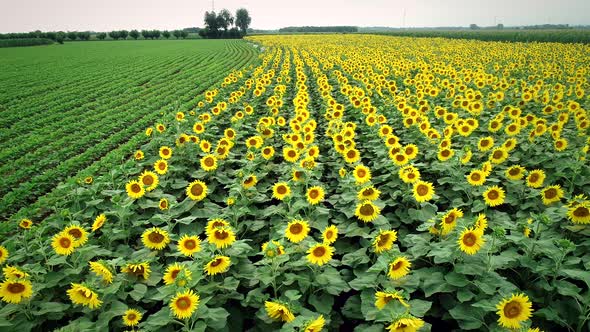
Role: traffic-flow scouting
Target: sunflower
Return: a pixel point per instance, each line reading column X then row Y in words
column 184, row 304
column 498, row 155
column 222, row 237
column 352, row 155
column 281, row 190
column 14, row 291
column 579, row 213
column 141, row 270
column 82, row 295
column 209, row 162
column 509, row 144
column 399, row 268
column 159, row 127
column 320, row 254
column 494, row 196
column 449, row 220
column 205, row 146
column 423, row 191
column 131, row 317
column 514, row 310
column 400, row 159
column 165, row 152
column 560, row 144
column 485, row 143
column 411, row 151
column 273, row 248
column 368, row 194
column 198, row 128
column 315, row 195
column 361, row 174
column 189, row 245
column 342, row 172
column 476, row 177
column 278, row 311
column 138, row 155
column 196, row 190
column 367, row 211
column 3, row 254
column 217, row 265
column 173, row 271
column 551, row 194
column 466, row 156
column 445, row 154
column 13, row 273
column 155, row 238
column 481, row 223
column 98, row 222
column 515, row 172
column 535, row 178
column 80, row 235
column 383, row 298
column 161, row 166
column 409, row 174
column 135, row 189
column 384, row 240
column 315, row 325
column 101, row 271
column 250, row 181
column 486, row 168
column 291, row 155
column 268, row 152
column 330, row 234
column 297, row 230
column 471, row 240
column 163, row 204
column 63, row 244
column 213, row 224
column 409, row 324
column 88, row 180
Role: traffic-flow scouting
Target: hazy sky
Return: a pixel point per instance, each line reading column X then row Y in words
column 106, row 15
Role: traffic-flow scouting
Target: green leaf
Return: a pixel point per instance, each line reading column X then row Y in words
column 322, row 303
column 138, row 291
column 419, row 308
column 216, row 318
column 577, row 274
column 331, row 281
column 293, row 294
column 433, row 284
column 467, row 316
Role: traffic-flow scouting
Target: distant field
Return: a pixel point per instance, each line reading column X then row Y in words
column 64, row 107
column 509, row 35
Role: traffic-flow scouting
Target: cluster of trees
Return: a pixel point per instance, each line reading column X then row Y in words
column 146, row 34
column 225, row 25
column 61, row 36
column 58, row 36
column 320, row 29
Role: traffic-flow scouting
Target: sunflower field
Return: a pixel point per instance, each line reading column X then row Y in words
column 343, row 182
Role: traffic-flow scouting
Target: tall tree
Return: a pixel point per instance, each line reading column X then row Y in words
column 114, row 34
column 134, row 34
column 177, row 33
column 183, row 34
column 211, row 24
column 166, row 34
column 243, row 19
column 146, row 34
column 225, row 19
column 101, row 35
column 72, row 35
column 123, row 34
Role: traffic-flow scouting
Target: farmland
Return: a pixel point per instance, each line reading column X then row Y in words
column 340, row 181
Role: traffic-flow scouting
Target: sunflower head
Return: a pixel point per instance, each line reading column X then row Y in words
column 471, row 240
column 320, row 254
column 155, row 238
column 184, row 304
column 297, row 230
column 399, row 268
column 514, row 310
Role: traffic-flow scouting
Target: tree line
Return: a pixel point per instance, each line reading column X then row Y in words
column 61, row 36
column 225, row 25
column 320, row 29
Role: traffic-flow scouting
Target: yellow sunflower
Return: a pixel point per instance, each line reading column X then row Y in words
column 196, row 190
column 268, row 152
column 291, row 155
column 485, row 143
column 514, row 310
column 383, row 298
column 101, row 271
column 351, row 156
column 423, row 191
column 209, row 162
column 281, row 190
column 471, row 240
column 165, row 152
column 138, row 155
column 409, row 324
column 163, row 204
column 560, row 144
column 25, row 223
column 409, row 174
column 161, row 166
column 315, row 195
column 175, row 270
column 78, row 233
column 367, row 211
column 134, row 189
column 494, row 196
column 297, row 230
column 131, row 317
column 141, row 270
column 217, row 265
column 315, row 325
column 515, row 172
column 476, row 177
column 362, row 174
column 250, row 181
column 63, row 244
column 330, row 234
column 320, row 254
column 445, row 154
column 13, row 273
column 449, row 220
column 579, row 213
column 466, row 156
column 155, row 238
column 14, row 291
column 368, row 194
column 278, row 311
column 189, row 245
column 98, row 222
column 82, row 295
column 184, row 304
column 481, row 223
column 222, row 237
column 384, row 240
column 205, row 146
column 149, row 180
column 498, row 156
column 273, row 248
column 551, row 194
column 399, row 268
column 535, row 178
column 214, row 224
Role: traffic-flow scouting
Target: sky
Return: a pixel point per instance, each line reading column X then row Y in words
column 107, row 15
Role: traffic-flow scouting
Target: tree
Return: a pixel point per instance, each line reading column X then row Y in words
column 114, row 34
column 123, row 34
column 101, row 35
column 72, row 35
column 166, row 34
column 84, row 35
column 155, row 34
column 177, row 33
column 211, row 25
column 183, row 34
column 146, row 34
column 225, row 19
column 134, row 34
column 473, row 26
column 243, row 19
column 60, row 36
column 51, row 35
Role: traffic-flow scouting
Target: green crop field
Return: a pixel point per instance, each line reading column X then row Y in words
column 64, row 107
